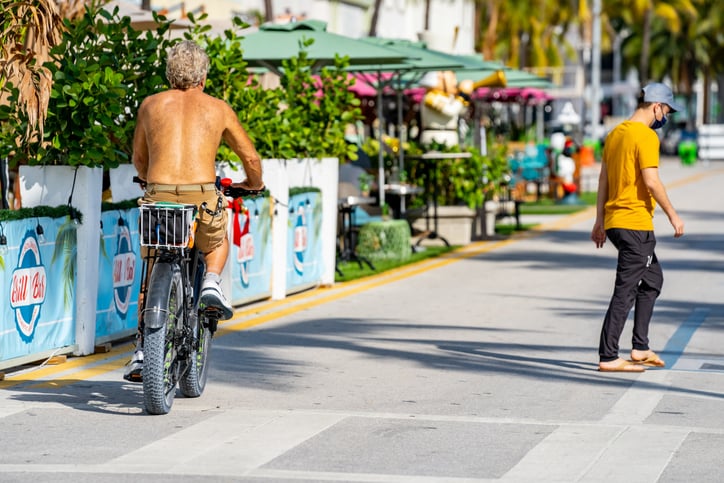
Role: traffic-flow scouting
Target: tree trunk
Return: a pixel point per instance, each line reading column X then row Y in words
column 375, row 17
column 645, row 48
column 268, row 11
column 707, row 94
column 720, row 83
column 490, row 38
column 427, row 15
column 477, row 28
column 145, row 4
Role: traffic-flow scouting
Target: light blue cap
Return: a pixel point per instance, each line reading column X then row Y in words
column 658, row 92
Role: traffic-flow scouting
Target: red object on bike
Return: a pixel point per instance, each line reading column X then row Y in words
column 226, row 182
column 237, row 206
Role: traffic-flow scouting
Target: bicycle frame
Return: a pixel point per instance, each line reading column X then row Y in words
column 176, row 334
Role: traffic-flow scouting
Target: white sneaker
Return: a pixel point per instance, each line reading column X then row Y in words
column 212, row 299
column 134, row 368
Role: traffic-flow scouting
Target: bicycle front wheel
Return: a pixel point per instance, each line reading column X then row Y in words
column 160, row 363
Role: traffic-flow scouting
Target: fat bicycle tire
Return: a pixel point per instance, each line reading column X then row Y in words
column 160, row 354
column 196, row 368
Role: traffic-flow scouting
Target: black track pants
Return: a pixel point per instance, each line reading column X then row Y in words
column 638, row 281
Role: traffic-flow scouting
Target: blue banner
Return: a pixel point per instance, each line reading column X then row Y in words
column 37, row 286
column 250, row 254
column 119, row 276
column 304, row 256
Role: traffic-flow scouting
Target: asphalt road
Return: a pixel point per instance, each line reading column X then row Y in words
column 476, row 367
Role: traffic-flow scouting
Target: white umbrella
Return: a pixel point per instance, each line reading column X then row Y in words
column 568, row 115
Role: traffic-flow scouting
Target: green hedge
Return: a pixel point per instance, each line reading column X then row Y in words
column 40, row 211
column 385, row 240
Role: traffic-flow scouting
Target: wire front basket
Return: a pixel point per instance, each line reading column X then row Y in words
column 167, row 225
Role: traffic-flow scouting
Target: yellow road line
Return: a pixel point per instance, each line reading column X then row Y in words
column 47, row 371
column 82, row 375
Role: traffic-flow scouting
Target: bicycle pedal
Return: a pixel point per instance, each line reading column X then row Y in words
column 216, row 313
column 133, row 377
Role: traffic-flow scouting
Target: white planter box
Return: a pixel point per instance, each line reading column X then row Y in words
column 455, row 223
column 122, row 186
column 54, row 186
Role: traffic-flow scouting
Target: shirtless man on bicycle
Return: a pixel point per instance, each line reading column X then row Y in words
column 178, row 133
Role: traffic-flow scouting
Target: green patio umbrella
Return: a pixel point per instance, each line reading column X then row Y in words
column 274, row 43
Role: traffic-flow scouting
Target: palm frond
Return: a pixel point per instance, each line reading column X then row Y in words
column 66, row 246
column 28, row 30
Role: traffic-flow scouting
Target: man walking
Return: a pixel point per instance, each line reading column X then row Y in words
column 628, row 189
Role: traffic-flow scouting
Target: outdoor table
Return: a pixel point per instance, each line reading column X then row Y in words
column 347, row 252
column 430, row 159
column 402, row 191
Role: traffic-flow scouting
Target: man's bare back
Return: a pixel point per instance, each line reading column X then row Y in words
column 177, row 136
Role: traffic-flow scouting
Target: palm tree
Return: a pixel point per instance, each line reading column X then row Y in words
column 28, row 30
column 27, row 33
column 488, row 15
column 695, row 51
column 375, row 18
column 641, row 17
column 525, row 33
column 268, row 11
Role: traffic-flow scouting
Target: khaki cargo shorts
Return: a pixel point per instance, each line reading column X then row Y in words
column 210, row 229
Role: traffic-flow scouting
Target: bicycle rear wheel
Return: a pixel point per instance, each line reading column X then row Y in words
column 195, row 371
column 164, row 304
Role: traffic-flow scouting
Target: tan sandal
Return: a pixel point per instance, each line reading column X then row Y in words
column 650, row 359
column 622, row 366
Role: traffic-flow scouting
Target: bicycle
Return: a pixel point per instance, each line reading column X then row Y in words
column 176, row 331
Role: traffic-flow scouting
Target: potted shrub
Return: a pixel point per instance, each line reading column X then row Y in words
column 463, row 187
column 365, row 183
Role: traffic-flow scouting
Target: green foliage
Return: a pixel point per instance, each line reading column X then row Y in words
column 352, row 270
column 41, row 211
column 318, row 108
column 101, row 71
column 119, row 205
column 365, row 182
column 387, row 240
column 465, row 181
column 297, row 190
column 305, row 117
column 66, row 247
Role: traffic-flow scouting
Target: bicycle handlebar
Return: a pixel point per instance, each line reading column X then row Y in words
column 140, row 182
column 238, row 191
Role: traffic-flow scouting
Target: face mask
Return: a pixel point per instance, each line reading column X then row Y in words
column 658, row 124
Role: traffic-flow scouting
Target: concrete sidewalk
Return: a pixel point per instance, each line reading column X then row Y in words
column 474, row 367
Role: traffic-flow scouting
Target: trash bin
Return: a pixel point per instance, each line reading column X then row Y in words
column 687, row 152
column 586, row 156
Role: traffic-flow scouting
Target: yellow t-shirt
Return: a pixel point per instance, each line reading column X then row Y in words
column 629, row 148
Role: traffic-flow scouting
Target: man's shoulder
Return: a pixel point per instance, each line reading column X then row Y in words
column 172, row 97
column 633, row 131
column 154, row 99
